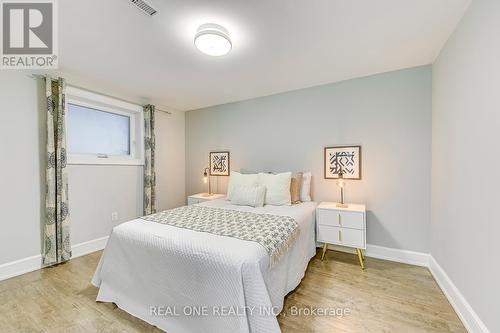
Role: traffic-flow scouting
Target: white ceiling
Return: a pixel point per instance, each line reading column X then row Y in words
column 278, row 45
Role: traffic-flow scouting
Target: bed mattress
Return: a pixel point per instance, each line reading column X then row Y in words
column 186, row 281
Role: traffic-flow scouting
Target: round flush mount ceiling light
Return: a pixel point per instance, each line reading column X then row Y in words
column 212, row 39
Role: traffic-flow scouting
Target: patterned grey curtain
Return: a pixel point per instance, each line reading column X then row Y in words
column 149, row 160
column 56, row 244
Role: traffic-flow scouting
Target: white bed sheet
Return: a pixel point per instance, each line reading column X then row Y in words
column 149, row 267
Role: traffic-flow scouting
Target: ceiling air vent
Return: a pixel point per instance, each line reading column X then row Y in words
column 145, row 7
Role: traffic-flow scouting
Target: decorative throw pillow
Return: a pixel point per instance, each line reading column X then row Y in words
column 277, row 188
column 249, row 196
column 295, row 185
column 245, row 171
column 305, row 189
column 236, row 179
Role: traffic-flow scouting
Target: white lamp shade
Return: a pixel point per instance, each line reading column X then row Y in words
column 213, row 40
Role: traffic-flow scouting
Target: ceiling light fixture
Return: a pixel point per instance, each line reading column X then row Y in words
column 212, row 39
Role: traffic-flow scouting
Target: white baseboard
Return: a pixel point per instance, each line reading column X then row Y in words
column 84, row 248
column 30, row 264
column 387, row 253
column 402, row 256
column 465, row 312
column 21, row 266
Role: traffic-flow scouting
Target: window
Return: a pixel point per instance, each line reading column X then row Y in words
column 102, row 130
column 93, row 131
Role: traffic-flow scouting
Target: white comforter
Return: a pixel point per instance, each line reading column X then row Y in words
column 186, row 281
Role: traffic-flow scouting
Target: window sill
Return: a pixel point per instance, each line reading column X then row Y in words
column 103, row 161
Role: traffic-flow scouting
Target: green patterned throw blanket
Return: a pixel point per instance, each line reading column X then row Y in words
column 274, row 232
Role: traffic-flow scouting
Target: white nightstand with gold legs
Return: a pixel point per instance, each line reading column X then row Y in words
column 202, row 197
column 344, row 226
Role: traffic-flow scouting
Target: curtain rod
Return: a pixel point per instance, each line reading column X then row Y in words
column 39, row 76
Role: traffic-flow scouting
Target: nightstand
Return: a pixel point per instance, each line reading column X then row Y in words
column 202, row 197
column 342, row 226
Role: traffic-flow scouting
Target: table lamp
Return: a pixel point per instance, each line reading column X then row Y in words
column 206, row 179
column 341, row 184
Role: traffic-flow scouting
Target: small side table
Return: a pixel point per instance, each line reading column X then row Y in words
column 202, row 197
column 342, row 226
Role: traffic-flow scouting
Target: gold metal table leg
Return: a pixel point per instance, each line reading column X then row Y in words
column 360, row 257
column 325, row 247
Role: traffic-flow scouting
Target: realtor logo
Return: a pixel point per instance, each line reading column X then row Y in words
column 28, row 34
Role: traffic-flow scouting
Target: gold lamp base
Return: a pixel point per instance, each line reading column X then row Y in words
column 341, row 204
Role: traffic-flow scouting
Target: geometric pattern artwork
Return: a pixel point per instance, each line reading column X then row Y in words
column 275, row 233
column 345, row 158
column 219, row 163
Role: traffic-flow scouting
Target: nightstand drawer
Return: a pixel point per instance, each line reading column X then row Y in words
column 337, row 218
column 341, row 236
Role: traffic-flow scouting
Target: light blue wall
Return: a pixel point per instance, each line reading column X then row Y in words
column 388, row 114
column 465, row 159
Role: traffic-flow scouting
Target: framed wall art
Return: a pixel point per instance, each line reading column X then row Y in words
column 219, row 163
column 347, row 158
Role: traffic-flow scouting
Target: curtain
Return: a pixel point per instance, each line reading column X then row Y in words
column 56, row 242
column 149, row 160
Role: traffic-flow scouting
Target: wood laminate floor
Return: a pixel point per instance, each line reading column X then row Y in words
column 387, row 297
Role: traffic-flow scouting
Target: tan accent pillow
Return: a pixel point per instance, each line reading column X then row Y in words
column 295, row 184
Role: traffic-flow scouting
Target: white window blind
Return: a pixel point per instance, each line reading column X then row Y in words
column 92, row 131
column 102, row 129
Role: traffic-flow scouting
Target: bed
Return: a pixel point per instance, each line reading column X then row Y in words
column 182, row 280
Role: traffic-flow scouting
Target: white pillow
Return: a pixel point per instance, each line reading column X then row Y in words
column 249, row 196
column 277, row 188
column 237, row 179
column 305, row 189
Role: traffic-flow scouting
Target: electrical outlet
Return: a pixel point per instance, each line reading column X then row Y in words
column 114, row 216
